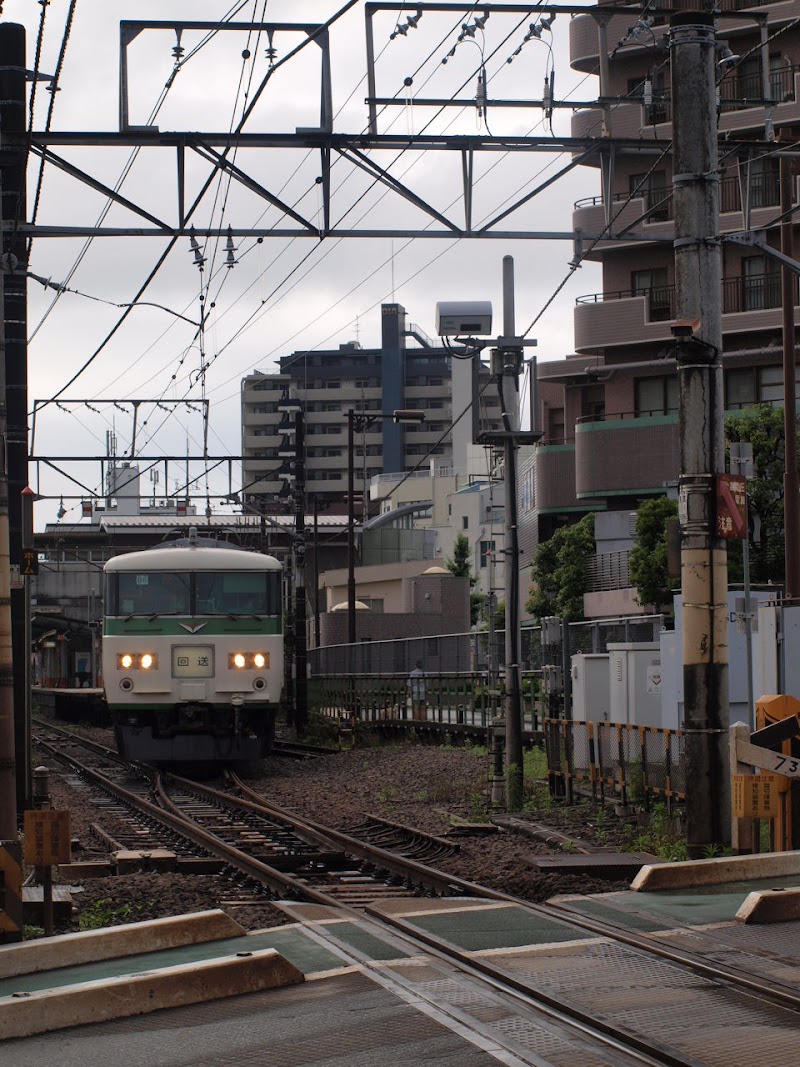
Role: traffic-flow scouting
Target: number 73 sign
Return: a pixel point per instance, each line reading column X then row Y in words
column 766, row 760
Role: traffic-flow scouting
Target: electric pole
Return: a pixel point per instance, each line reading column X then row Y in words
column 791, row 482
column 507, row 364
column 10, row 852
column 300, row 634
column 13, row 127
column 698, row 336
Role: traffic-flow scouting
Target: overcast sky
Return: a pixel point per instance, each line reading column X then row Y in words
column 282, row 294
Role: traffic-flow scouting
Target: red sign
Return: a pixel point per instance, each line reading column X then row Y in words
column 731, row 506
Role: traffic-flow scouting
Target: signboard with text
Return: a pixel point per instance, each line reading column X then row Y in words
column 755, row 796
column 731, row 507
column 47, row 838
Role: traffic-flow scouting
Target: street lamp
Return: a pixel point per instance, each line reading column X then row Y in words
column 361, row 420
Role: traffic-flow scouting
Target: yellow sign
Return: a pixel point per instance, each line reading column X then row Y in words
column 47, row 838
column 755, row 796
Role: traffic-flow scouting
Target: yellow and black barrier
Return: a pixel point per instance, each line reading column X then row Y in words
column 10, row 892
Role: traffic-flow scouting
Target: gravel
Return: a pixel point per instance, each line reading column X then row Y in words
column 441, row 790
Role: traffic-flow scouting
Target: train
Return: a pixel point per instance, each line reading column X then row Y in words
column 193, row 652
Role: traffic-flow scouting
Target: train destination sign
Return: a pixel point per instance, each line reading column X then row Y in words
column 193, row 661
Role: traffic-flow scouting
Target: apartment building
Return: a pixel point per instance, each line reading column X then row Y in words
column 407, row 372
column 610, row 411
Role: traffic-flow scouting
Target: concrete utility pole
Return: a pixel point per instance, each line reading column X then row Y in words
column 698, row 334
column 8, row 779
column 13, row 127
column 791, row 482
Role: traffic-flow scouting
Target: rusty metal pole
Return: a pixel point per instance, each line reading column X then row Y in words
column 791, row 483
column 698, row 335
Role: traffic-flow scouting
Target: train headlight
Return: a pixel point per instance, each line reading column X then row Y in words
column 239, row 661
column 140, row 661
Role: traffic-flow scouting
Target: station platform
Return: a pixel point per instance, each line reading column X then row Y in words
column 329, row 989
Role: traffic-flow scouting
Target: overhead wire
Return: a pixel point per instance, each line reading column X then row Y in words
column 53, row 89
column 206, row 185
column 351, row 208
column 127, row 167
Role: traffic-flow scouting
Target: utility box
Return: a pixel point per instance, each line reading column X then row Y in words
column 591, row 689
column 635, row 683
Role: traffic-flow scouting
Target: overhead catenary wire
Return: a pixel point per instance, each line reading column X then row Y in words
column 294, row 269
column 127, row 167
column 198, row 200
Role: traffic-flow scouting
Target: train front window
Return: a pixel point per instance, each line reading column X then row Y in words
column 154, row 593
column 237, row 593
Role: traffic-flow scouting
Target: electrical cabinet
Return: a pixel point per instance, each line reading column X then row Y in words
column 591, row 691
column 635, row 683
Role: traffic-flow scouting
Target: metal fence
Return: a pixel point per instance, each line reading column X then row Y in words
column 448, row 699
column 634, row 764
column 473, row 652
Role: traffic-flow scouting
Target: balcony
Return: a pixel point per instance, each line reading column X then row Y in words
column 742, row 107
column 625, row 455
column 628, row 318
column 555, row 478
column 584, row 48
column 650, row 211
column 623, row 318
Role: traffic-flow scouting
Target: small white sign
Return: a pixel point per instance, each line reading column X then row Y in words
column 654, row 678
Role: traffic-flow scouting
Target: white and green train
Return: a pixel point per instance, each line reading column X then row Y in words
column 193, row 652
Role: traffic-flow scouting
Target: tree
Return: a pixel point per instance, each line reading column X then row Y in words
column 459, row 566
column 762, row 426
column 647, row 563
column 559, row 571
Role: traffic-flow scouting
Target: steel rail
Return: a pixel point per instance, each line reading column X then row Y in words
column 783, row 997
column 429, row 877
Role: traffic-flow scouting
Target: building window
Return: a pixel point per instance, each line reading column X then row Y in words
column 555, row 425
column 652, row 188
column 652, row 284
column 656, row 110
column 765, row 188
column 486, row 552
column 593, row 401
column 761, row 283
column 465, row 522
column 740, row 388
column 373, row 603
column 656, row 396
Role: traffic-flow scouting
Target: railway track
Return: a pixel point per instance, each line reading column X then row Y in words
column 274, row 853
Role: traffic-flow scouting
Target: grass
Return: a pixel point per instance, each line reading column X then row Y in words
column 103, row 913
column 659, row 837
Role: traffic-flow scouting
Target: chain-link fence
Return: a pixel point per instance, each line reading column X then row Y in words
column 633, row 764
